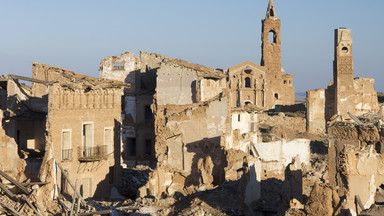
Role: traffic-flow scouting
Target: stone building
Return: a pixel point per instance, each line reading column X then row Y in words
column 78, row 126
column 264, row 85
column 345, row 94
column 138, row 135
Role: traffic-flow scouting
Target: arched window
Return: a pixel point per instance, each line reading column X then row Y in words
column 272, row 36
column 247, row 82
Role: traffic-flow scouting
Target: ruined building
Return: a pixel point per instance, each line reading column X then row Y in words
column 264, row 85
column 69, row 119
column 345, row 94
column 155, row 77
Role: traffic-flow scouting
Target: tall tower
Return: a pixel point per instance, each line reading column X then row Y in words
column 271, row 43
column 343, row 73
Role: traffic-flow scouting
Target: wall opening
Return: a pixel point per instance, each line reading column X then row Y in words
column 248, row 103
column 272, row 36
column 66, row 151
column 247, row 82
column 238, row 118
column 118, row 66
column 86, row 187
column 148, row 115
column 271, row 12
column 148, row 147
column 108, row 139
column 111, row 175
column 276, row 96
column 344, row 50
column 88, row 140
column 131, row 146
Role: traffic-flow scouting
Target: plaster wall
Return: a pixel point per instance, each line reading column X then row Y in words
column 175, row 85
column 316, row 111
column 281, row 153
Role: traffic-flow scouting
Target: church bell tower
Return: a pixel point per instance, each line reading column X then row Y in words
column 271, row 43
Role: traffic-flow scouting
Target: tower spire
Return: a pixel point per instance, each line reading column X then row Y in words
column 271, row 14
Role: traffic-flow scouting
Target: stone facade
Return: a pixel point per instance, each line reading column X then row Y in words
column 345, row 94
column 69, row 118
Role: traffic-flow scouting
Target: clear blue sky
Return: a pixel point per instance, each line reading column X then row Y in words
column 76, row 35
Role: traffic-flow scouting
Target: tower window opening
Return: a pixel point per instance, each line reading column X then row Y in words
column 276, row 96
column 272, row 36
column 271, row 11
column 344, row 50
column 285, row 81
column 247, row 82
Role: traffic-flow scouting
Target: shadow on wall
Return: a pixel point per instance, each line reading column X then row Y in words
column 228, row 198
column 208, row 157
column 318, row 147
column 112, row 178
column 194, row 91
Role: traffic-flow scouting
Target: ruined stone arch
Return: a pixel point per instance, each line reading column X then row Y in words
column 272, row 36
column 246, row 102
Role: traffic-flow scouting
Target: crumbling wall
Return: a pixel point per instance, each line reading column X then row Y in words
column 277, row 155
column 124, row 68
column 9, row 160
column 69, row 111
column 366, row 97
column 244, row 130
column 315, row 102
column 175, row 85
column 209, row 88
column 355, row 164
column 188, row 144
column 281, row 126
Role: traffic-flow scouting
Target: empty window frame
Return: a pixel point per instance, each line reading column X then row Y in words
column 148, row 115
column 118, row 66
column 131, row 146
column 87, row 148
column 272, row 36
column 108, row 139
column 66, row 145
column 148, row 146
column 247, row 82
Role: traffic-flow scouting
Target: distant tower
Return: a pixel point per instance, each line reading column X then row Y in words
column 271, row 43
column 343, row 73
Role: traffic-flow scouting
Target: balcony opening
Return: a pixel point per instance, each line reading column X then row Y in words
column 88, row 140
column 66, row 149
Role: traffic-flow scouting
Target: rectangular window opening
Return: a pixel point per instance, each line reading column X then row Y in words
column 131, row 146
column 148, row 147
column 118, row 66
column 66, row 149
column 148, row 115
column 108, row 140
